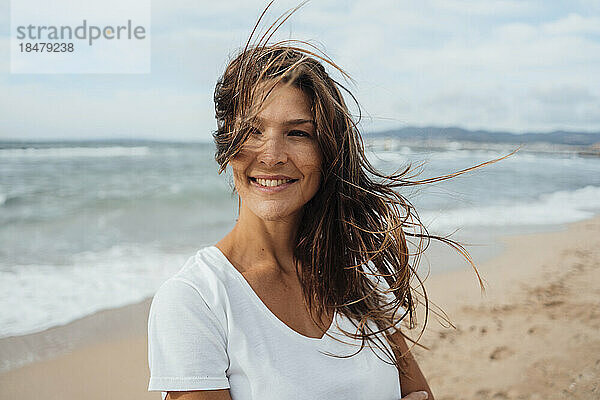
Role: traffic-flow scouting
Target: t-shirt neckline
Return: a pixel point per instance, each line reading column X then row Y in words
column 257, row 300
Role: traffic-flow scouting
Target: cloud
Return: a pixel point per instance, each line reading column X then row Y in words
column 123, row 113
column 493, row 79
column 510, row 65
column 563, row 95
column 486, row 7
column 573, row 24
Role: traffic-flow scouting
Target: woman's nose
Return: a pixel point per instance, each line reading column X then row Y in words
column 273, row 150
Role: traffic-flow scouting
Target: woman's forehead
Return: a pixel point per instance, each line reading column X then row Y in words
column 264, row 90
column 286, row 104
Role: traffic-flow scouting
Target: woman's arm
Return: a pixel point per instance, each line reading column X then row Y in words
column 200, row 395
column 412, row 379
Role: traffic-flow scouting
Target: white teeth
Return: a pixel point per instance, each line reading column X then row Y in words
column 272, row 182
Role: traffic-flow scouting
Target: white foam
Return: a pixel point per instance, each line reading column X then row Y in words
column 454, row 152
column 553, row 208
column 37, row 297
column 70, row 152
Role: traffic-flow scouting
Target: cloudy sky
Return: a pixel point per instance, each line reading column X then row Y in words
column 480, row 64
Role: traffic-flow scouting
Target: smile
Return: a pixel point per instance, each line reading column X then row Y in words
column 271, row 185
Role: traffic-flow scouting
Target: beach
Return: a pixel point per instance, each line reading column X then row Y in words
column 534, row 335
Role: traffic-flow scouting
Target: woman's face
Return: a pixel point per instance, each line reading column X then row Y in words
column 278, row 169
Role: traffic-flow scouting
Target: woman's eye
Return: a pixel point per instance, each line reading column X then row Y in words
column 299, row 133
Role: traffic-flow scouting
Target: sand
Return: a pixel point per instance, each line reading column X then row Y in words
column 535, row 335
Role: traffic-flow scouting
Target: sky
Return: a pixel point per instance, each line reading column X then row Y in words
column 501, row 65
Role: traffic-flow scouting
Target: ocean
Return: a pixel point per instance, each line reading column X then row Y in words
column 91, row 226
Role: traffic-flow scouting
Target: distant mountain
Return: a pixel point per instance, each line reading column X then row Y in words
column 448, row 134
column 459, row 134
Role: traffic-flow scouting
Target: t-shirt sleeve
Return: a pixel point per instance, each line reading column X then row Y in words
column 187, row 344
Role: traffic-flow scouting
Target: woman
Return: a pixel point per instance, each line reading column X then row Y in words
column 304, row 297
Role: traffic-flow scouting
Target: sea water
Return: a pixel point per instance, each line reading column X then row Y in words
column 91, row 226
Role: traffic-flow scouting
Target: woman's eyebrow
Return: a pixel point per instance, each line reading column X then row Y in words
column 295, row 121
column 298, row 121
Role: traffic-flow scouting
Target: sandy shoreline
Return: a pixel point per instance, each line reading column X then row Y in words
column 534, row 335
column 103, row 326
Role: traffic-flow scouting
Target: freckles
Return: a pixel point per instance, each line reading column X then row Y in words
column 243, row 155
column 309, row 158
column 241, row 161
column 312, row 164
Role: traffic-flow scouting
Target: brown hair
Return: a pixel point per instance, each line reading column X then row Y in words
column 358, row 217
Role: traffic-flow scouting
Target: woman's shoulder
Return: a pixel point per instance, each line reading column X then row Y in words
column 204, row 268
column 202, row 278
column 188, row 320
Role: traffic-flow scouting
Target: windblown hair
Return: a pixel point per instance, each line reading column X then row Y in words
column 358, row 222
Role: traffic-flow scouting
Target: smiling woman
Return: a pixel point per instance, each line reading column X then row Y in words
column 279, row 168
column 304, row 298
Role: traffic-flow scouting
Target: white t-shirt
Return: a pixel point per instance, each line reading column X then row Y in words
column 208, row 329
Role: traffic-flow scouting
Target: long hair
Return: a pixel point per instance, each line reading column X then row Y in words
column 358, row 223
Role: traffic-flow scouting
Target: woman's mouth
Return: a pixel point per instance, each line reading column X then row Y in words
column 271, row 185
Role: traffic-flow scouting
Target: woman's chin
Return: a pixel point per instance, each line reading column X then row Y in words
column 276, row 213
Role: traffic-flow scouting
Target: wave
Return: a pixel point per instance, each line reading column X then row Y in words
column 548, row 209
column 93, row 281
column 70, row 152
column 405, row 154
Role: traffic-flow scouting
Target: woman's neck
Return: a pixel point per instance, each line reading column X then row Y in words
column 256, row 242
